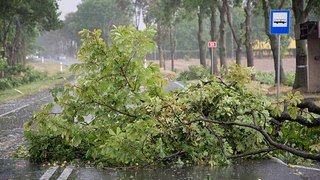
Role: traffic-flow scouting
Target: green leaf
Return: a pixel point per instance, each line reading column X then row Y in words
column 111, row 132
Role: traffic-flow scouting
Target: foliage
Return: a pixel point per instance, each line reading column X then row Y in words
column 19, row 75
column 117, row 114
column 100, row 14
column 268, row 78
column 3, row 64
column 194, row 73
column 20, row 22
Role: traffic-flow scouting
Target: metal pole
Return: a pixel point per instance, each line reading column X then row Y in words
column 61, row 69
column 212, row 61
column 278, row 70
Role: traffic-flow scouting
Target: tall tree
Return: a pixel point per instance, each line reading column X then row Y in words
column 249, row 34
column 223, row 34
column 202, row 9
column 201, row 39
column 236, row 37
column 214, row 36
column 19, row 18
column 273, row 39
column 301, row 10
column 102, row 14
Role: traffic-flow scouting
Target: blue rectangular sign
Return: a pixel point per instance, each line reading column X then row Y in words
column 279, row 22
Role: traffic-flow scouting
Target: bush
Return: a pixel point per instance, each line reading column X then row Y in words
column 19, row 75
column 194, row 73
column 268, row 78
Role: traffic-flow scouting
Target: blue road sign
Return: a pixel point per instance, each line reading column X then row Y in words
column 279, row 22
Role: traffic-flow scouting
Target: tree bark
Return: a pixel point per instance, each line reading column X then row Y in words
column 235, row 37
column 273, row 42
column 249, row 38
column 201, row 38
column 172, row 45
column 15, row 47
column 222, row 39
column 301, row 49
column 213, row 33
column 160, row 46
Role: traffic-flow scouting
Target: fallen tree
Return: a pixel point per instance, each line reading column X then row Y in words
column 134, row 122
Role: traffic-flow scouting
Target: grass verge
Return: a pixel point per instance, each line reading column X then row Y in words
column 55, row 77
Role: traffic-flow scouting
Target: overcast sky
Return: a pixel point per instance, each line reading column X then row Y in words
column 67, row 6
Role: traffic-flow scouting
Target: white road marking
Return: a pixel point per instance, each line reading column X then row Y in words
column 179, row 84
column 12, row 111
column 296, row 166
column 66, row 173
column 44, row 98
column 48, row 174
column 17, row 109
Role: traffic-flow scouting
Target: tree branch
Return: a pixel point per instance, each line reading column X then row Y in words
column 116, row 110
column 311, row 106
column 309, row 7
column 238, row 42
column 299, row 119
column 124, row 74
column 173, row 155
column 252, row 153
column 281, row 4
column 266, row 136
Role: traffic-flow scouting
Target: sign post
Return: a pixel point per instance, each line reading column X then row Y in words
column 279, row 24
column 212, row 44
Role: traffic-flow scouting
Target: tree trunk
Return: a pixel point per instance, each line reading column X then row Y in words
column 201, row 38
column 5, row 31
column 213, row 33
column 160, row 45
column 273, row 43
column 249, row 48
column 222, row 39
column 15, row 48
column 161, row 55
column 172, row 45
column 301, row 49
column 237, row 39
column 274, row 49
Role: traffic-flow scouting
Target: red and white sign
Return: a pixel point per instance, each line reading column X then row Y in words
column 212, row 44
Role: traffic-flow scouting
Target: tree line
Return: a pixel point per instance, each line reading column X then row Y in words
column 21, row 23
column 175, row 20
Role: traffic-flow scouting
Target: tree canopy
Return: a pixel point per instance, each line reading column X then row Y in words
column 19, row 19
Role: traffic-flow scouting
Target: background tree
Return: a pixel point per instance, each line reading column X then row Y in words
column 236, row 35
column 202, row 9
column 222, row 29
column 214, row 35
column 267, row 6
column 102, row 14
column 165, row 14
column 249, row 34
column 301, row 10
column 19, row 20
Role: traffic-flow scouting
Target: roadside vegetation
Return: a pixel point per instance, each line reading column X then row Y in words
column 22, row 80
column 199, row 72
column 269, row 78
column 118, row 115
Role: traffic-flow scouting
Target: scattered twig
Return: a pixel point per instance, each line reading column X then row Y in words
column 252, row 153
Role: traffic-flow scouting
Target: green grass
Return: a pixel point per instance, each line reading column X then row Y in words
column 268, row 78
column 55, row 77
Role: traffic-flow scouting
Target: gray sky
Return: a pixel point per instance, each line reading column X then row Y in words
column 67, row 6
